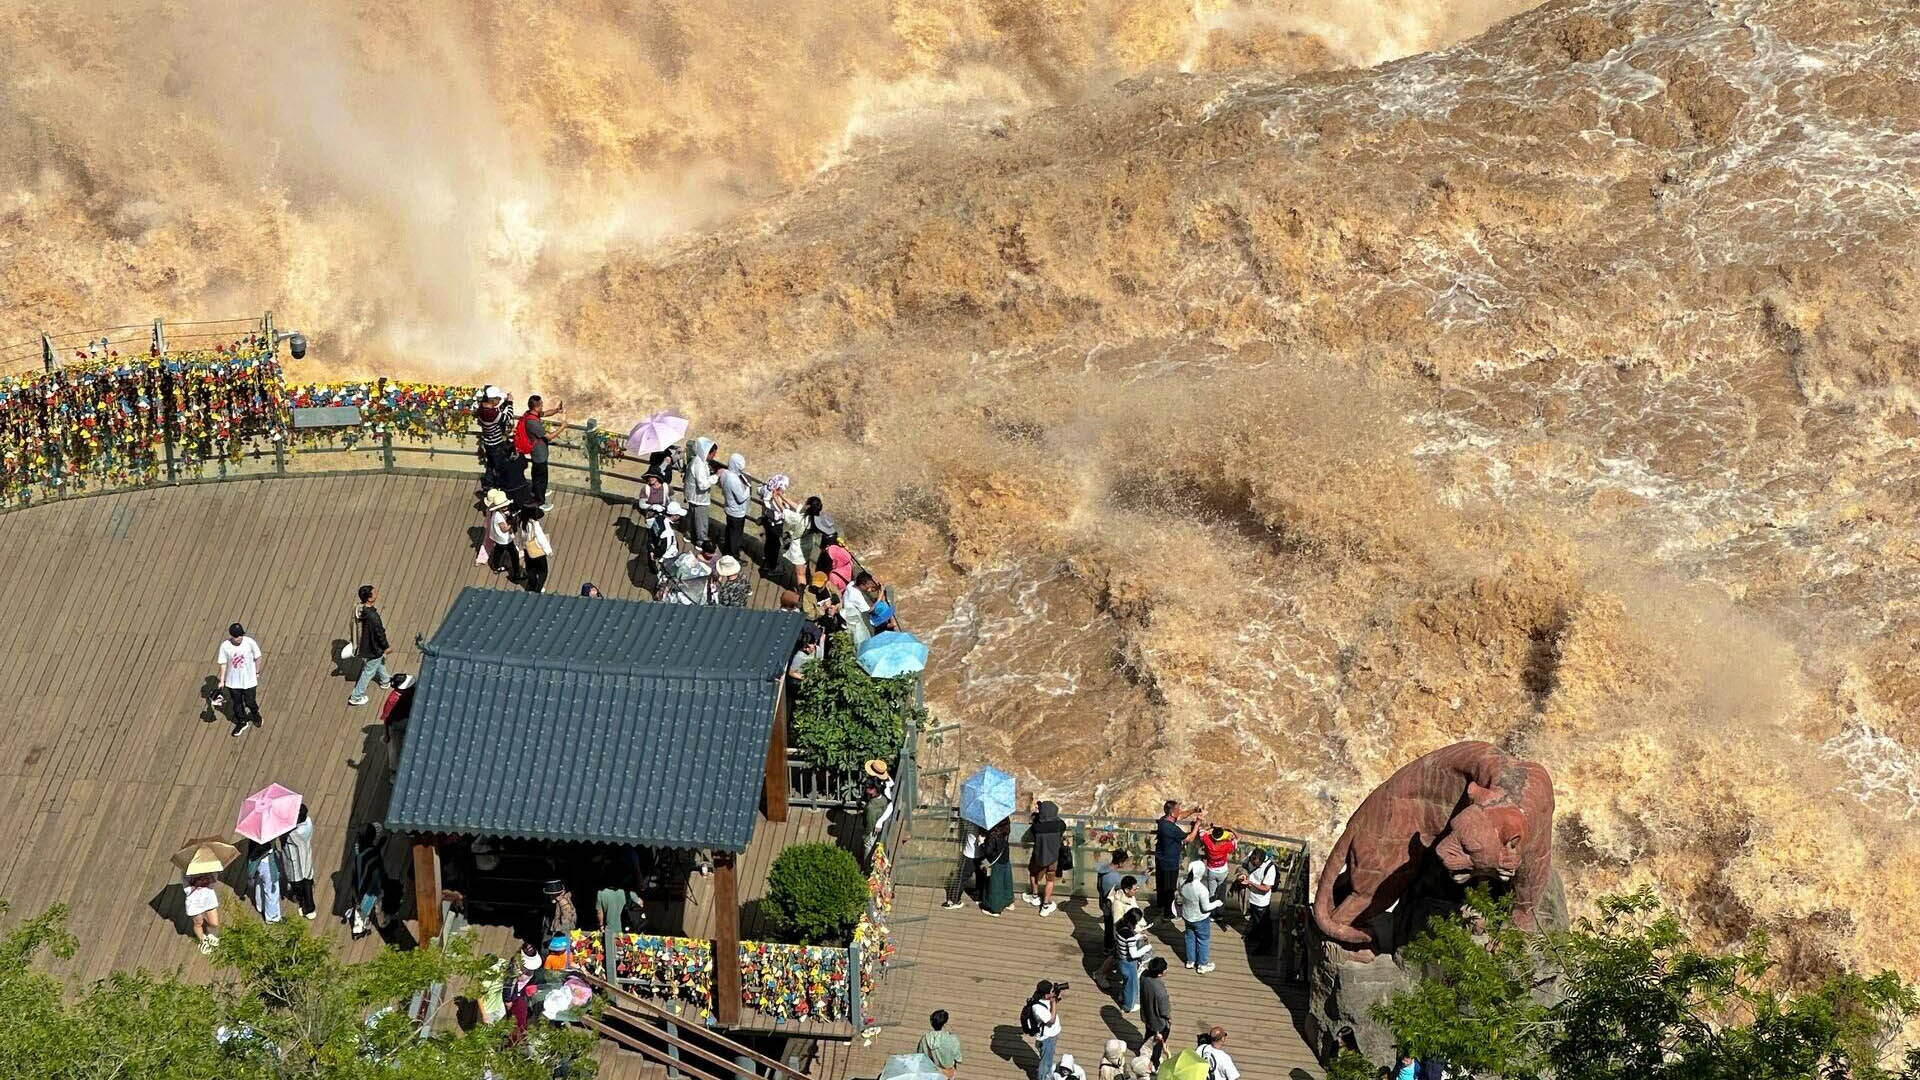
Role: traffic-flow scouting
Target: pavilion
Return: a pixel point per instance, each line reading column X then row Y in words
column 578, row 720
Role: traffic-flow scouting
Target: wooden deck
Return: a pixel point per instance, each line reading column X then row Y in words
column 981, row 970
column 117, row 603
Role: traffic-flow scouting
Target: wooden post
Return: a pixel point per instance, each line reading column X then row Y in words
column 426, row 888
column 776, row 786
column 590, row 439
column 726, row 941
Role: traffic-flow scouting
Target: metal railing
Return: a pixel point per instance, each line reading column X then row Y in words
column 47, row 351
column 935, row 855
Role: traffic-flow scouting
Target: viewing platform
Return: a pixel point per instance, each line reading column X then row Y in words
column 115, row 756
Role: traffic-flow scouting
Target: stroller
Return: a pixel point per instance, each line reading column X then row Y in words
column 685, row 581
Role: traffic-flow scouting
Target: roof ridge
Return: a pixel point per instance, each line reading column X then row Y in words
column 720, row 673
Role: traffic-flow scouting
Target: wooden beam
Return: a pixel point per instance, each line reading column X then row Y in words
column 775, row 791
column 726, row 941
column 426, row 888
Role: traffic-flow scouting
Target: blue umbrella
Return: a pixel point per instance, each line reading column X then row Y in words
column 986, row 799
column 895, row 652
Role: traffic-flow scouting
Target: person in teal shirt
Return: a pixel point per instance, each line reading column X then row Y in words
column 941, row 1046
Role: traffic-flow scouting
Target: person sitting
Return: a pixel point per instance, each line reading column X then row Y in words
column 882, row 620
column 653, row 497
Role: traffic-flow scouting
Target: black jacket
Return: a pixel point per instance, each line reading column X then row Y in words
column 373, row 634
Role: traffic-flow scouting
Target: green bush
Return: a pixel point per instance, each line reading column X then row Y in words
column 843, row 717
column 1629, row 995
column 817, row 894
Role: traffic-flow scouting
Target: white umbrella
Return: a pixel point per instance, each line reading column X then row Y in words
column 656, row 433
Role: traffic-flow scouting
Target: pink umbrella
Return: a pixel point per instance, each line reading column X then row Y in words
column 656, row 433
column 272, row 811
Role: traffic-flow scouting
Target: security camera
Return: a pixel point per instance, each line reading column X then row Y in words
column 296, row 342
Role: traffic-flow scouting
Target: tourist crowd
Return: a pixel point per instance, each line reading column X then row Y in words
column 1188, row 891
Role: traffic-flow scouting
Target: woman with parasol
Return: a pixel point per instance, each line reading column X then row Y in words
column 200, row 863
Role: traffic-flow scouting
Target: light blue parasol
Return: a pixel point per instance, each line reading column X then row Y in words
column 986, row 799
column 895, row 652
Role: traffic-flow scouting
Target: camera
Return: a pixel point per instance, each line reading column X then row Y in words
column 1059, row 988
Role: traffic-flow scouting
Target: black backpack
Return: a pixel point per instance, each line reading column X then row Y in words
column 1029, row 1019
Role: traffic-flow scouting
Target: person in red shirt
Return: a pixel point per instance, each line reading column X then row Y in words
column 1216, row 847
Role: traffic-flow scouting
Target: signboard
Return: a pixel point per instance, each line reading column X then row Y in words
column 330, row 416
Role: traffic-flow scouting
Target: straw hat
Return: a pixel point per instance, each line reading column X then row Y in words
column 496, row 499
column 728, row 566
column 877, row 768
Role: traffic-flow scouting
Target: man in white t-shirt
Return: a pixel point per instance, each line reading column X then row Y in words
column 239, row 663
column 1220, row 1065
column 1258, row 879
column 1042, row 1025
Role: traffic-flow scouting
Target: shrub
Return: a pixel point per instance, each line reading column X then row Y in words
column 1635, row 998
column 842, row 716
column 817, row 894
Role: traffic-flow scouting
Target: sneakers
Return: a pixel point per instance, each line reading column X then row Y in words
column 1189, row 965
column 546, row 508
column 1048, row 909
column 952, row 905
column 1031, row 899
column 238, row 730
column 1131, row 1011
column 312, row 915
column 991, row 914
column 357, row 699
column 1204, row 969
column 213, row 939
column 206, row 947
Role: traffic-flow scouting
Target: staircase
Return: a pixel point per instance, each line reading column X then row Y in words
column 671, row 1048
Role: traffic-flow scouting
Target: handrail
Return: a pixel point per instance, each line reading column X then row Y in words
column 653, row 1054
column 647, row 1008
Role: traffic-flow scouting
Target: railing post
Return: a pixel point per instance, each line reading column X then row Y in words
column 173, row 470
column 855, row 1015
column 593, row 455
column 280, row 456
column 1080, row 857
column 386, row 450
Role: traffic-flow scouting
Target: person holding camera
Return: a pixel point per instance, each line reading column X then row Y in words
column 1040, row 1021
column 1257, row 878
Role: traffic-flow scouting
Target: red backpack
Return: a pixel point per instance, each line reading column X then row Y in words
column 522, row 442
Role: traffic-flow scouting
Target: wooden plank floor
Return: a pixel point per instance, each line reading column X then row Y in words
column 981, row 971
column 118, row 603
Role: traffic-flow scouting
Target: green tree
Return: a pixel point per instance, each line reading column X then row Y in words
column 282, row 1005
column 843, row 717
column 817, row 894
column 1628, row 996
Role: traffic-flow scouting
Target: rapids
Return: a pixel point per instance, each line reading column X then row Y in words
column 1244, row 400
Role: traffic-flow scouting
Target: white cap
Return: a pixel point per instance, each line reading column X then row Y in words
column 674, row 509
column 493, row 392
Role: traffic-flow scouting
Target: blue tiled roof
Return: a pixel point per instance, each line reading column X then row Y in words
column 592, row 719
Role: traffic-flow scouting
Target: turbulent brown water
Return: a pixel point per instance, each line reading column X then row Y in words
column 1239, row 419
